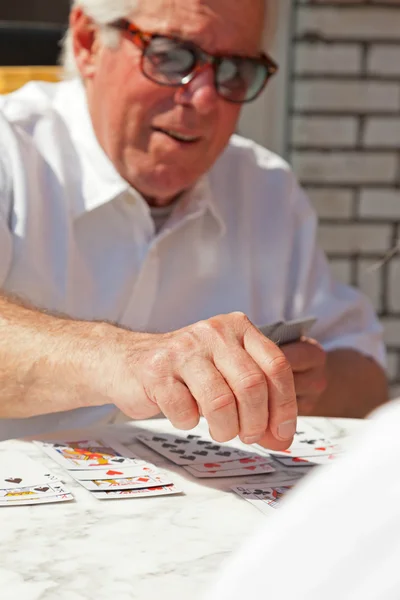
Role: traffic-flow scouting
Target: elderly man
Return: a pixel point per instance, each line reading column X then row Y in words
column 141, row 244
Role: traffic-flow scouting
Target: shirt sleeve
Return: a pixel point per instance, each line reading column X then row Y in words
column 337, row 535
column 345, row 317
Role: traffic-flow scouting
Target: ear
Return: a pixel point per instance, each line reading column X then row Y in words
column 85, row 42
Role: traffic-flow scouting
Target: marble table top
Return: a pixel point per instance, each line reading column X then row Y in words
column 168, row 547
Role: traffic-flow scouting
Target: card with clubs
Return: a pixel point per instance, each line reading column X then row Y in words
column 94, row 454
column 286, row 332
column 263, row 496
column 190, row 449
column 307, row 441
column 164, row 490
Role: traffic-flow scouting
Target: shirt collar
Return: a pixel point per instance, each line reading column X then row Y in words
column 100, row 181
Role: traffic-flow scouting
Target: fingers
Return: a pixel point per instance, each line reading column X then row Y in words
column 215, row 398
column 304, row 355
column 310, row 383
column 281, row 389
column 176, row 402
column 249, row 386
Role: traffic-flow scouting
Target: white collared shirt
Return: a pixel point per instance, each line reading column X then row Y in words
column 76, row 238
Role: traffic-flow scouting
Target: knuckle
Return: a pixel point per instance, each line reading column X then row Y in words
column 279, row 366
column 221, row 402
column 208, row 328
column 186, row 418
column 251, row 382
column 157, row 364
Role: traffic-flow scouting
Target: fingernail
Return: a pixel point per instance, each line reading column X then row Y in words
column 252, row 440
column 287, row 430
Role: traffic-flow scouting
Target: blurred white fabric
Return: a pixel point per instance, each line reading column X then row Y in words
column 337, row 536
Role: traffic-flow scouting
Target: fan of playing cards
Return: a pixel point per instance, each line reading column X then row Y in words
column 203, row 458
column 108, row 469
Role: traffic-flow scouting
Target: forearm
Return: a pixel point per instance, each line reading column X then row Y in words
column 47, row 363
column 356, row 385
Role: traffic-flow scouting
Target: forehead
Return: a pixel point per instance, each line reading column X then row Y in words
column 217, row 25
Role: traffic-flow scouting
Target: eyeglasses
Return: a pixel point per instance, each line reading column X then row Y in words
column 171, row 61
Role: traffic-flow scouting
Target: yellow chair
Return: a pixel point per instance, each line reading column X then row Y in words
column 12, row 78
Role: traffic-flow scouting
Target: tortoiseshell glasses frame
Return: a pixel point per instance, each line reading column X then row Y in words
column 171, row 61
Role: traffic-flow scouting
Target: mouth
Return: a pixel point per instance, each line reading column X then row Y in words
column 178, row 136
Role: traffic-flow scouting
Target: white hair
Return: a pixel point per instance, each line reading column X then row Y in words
column 104, row 12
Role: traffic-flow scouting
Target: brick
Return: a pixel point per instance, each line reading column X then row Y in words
column 394, row 285
column 369, row 282
column 327, row 58
column 341, row 270
column 332, row 203
column 345, row 167
column 384, row 60
column 391, row 327
column 382, row 132
column 366, row 23
column 355, row 238
column 347, row 96
column 379, row 203
column 324, row 131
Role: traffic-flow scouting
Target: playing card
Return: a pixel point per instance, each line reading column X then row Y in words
column 234, row 464
column 309, row 461
column 114, row 473
column 264, row 497
column 258, row 469
column 37, row 494
column 31, row 501
column 19, row 471
column 308, row 442
column 165, row 490
column 285, row 332
column 129, row 483
column 191, row 449
column 90, row 454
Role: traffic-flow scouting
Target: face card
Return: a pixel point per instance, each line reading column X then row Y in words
column 35, row 493
column 129, row 483
column 19, row 471
column 286, row 332
column 90, row 454
column 264, row 497
column 259, row 469
column 191, row 449
column 114, row 473
column 164, row 490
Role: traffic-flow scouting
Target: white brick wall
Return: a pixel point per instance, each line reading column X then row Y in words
column 344, row 143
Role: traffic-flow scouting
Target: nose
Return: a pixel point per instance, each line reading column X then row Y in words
column 200, row 92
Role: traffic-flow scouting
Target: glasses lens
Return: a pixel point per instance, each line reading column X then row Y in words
column 240, row 79
column 168, row 61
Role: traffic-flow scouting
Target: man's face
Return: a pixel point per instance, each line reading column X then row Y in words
column 135, row 119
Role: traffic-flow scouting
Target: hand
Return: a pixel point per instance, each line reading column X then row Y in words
column 222, row 368
column 308, row 361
